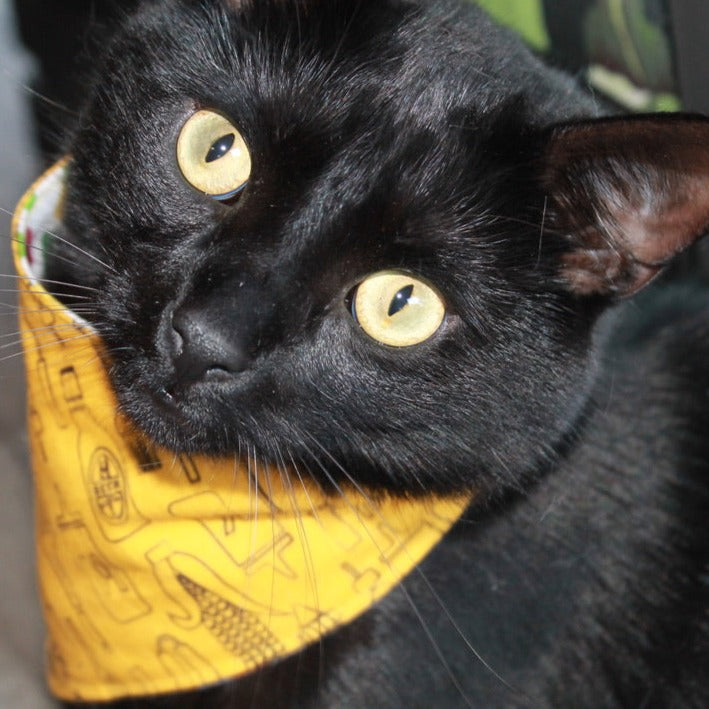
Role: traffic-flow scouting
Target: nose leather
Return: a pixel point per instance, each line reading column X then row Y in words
column 206, row 345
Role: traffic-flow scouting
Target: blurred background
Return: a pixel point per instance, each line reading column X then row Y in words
column 640, row 54
column 21, row 682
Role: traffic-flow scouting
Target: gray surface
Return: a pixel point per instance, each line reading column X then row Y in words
column 21, row 634
column 690, row 19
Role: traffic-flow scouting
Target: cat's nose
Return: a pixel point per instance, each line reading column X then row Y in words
column 204, row 346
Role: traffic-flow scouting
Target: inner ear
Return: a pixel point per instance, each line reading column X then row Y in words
column 628, row 194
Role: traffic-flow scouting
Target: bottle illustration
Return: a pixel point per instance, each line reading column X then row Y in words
column 41, row 334
column 103, row 469
column 76, row 556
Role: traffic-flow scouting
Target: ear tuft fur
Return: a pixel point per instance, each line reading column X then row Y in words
column 628, row 194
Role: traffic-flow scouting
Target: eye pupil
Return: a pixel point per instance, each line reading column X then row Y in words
column 212, row 155
column 400, row 300
column 220, row 147
column 396, row 309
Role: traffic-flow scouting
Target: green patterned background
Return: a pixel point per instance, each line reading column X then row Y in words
column 621, row 47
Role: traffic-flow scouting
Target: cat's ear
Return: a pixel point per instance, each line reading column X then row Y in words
column 628, row 194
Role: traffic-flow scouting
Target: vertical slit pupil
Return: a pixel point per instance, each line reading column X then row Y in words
column 400, row 300
column 220, row 147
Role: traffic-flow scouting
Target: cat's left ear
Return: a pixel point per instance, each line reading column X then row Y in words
column 628, row 194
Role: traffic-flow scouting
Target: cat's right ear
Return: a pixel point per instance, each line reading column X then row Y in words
column 627, row 194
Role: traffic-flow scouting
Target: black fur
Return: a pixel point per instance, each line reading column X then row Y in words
column 417, row 136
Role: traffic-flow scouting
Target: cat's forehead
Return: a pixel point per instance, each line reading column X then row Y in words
column 303, row 99
column 271, row 54
column 365, row 129
column 421, row 59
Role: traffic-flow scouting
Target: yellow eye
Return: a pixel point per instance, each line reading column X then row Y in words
column 212, row 155
column 397, row 310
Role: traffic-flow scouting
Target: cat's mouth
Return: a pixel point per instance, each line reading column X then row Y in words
column 180, row 421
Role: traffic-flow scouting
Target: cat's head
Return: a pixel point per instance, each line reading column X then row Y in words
column 343, row 234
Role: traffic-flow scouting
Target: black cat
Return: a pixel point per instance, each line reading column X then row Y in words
column 416, row 140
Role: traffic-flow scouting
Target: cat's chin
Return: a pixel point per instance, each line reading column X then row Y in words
column 171, row 423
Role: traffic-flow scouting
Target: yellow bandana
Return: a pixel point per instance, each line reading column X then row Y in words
column 163, row 572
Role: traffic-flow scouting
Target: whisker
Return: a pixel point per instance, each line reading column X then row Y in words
column 14, row 355
column 68, row 243
column 422, row 621
column 358, row 487
column 253, row 471
column 38, row 247
column 78, row 308
column 267, row 476
column 88, row 254
column 20, row 340
column 305, row 489
column 37, row 94
column 248, row 475
column 42, row 292
column 321, row 646
column 49, row 280
column 234, row 477
column 302, row 532
column 460, row 633
column 422, row 575
column 541, row 232
column 44, row 346
column 33, row 330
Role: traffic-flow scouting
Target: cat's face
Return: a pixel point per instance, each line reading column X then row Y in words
column 379, row 295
